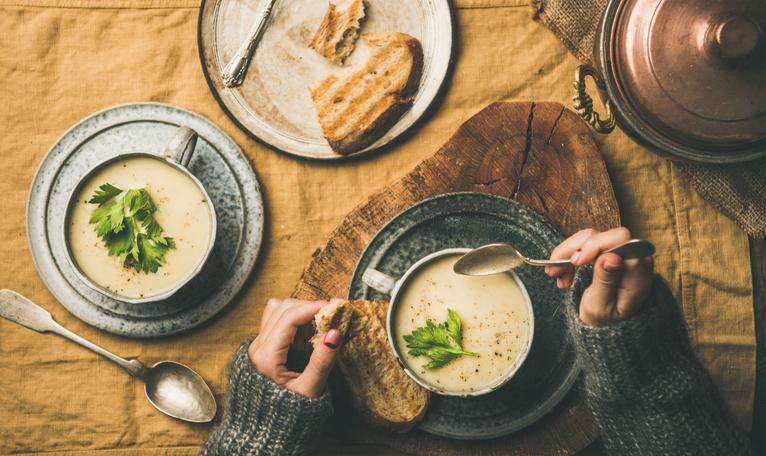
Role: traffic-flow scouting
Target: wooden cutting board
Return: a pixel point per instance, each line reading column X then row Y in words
column 543, row 156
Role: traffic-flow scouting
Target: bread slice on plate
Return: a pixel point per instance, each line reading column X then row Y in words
column 380, row 390
column 357, row 109
column 337, row 34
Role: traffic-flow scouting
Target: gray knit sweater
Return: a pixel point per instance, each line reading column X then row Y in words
column 263, row 418
column 647, row 391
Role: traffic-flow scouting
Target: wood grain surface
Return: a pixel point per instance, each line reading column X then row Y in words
column 543, row 156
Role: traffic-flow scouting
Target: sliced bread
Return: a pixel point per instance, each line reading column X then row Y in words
column 381, row 391
column 357, row 109
column 337, row 34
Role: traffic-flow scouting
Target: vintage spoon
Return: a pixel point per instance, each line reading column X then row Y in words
column 233, row 73
column 495, row 258
column 172, row 388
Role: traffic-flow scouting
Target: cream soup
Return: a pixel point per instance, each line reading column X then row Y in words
column 494, row 316
column 183, row 213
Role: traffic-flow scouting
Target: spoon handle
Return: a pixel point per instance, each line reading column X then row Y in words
column 20, row 310
column 533, row 262
column 233, row 73
column 635, row 248
column 133, row 366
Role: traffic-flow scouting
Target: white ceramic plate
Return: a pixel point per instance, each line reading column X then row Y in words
column 273, row 104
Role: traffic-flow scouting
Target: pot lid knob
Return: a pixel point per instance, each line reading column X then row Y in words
column 735, row 37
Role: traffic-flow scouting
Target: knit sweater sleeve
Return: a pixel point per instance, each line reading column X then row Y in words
column 647, row 391
column 263, row 418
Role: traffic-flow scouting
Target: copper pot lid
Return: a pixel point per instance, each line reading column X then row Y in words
column 694, row 71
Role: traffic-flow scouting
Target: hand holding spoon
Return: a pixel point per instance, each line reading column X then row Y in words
column 172, row 388
column 495, row 258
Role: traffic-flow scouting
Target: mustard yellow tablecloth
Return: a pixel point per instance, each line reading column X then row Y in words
column 61, row 60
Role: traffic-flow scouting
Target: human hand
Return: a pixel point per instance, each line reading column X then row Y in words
column 620, row 287
column 280, row 322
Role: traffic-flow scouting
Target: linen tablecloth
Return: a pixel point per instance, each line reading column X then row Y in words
column 61, row 60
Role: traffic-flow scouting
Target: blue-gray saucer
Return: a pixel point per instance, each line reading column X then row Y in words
column 471, row 220
column 218, row 163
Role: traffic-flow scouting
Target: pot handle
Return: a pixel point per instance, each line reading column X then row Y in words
column 583, row 103
column 181, row 146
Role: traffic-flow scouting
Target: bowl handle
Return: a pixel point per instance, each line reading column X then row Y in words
column 378, row 281
column 180, row 149
column 583, row 103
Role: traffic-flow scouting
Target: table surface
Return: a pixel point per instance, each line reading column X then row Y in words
column 61, row 60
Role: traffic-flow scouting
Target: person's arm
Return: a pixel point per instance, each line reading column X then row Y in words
column 264, row 418
column 648, row 392
column 271, row 410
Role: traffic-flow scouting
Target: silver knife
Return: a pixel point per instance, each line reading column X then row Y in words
column 234, row 72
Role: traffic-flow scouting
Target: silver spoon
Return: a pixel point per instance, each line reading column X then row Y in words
column 495, row 258
column 172, row 388
column 233, row 74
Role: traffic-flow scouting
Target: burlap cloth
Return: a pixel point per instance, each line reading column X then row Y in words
column 61, row 60
column 739, row 191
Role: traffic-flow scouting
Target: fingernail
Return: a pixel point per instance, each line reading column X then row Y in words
column 559, row 283
column 548, row 270
column 332, row 338
column 612, row 265
column 576, row 256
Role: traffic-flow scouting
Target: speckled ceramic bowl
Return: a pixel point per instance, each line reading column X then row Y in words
column 469, row 219
column 392, row 287
column 177, row 154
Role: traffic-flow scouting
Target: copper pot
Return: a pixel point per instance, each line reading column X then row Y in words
column 687, row 78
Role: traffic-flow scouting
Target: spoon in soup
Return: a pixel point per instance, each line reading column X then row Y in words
column 501, row 257
column 172, row 388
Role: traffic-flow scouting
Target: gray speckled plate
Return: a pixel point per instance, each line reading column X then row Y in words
column 471, row 220
column 220, row 166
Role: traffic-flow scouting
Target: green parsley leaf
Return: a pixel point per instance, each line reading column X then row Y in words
column 124, row 220
column 104, row 194
column 454, row 327
column 440, row 343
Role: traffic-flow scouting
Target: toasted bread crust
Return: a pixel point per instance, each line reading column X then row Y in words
column 381, row 391
column 338, row 316
column 337, row 34
column 390, row 78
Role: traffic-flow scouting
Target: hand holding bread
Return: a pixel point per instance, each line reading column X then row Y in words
column 268, row 352
column 380, row 390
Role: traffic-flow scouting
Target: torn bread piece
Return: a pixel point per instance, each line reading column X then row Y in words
column 337, row 34
column 381, row 391
column 357, row 109
column 337, row 315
